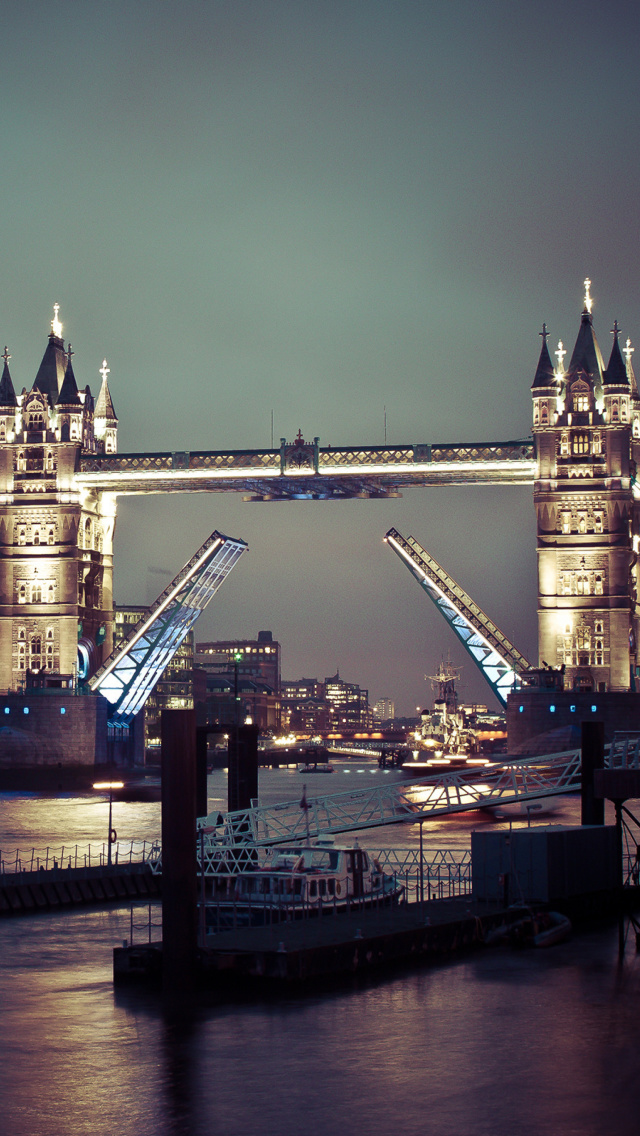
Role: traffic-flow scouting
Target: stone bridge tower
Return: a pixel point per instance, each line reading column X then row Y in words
column 56, row 540
column 586, row 427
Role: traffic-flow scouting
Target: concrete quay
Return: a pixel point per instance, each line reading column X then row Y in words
column 24, row 893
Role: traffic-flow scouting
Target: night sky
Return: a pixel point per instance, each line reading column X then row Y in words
column 321, row 209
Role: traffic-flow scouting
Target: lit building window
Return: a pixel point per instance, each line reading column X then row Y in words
column 564, row 445
column 597, row 444
column 580, row 444
column 566, row 522
column 582, row 522
column 580, row 402
column 597, row 522
column 22, row 594
column 582, row 584
column 598, row 586
column 36, row 593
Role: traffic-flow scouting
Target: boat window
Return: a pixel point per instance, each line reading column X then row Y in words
column 365, row 862
column 332, row 886
column 323, row 887
column 313, row 889
column 297, row 887
column 333, row 860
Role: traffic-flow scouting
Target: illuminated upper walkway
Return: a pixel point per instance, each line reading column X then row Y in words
column 305, row 470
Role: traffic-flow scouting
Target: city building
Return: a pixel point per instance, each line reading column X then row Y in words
column 384, row 710
column 256, row 658
column 309, row 706
column 243, row 680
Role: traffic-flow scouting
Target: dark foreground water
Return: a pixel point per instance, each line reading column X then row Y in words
column 502, row 1043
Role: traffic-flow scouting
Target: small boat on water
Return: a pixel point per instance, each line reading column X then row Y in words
column 531, row 928
column 315, row 767
column 305, row 880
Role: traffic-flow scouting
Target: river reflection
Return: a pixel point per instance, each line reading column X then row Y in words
column 498, row 1043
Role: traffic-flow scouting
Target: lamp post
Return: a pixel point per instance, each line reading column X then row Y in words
column 110, row 785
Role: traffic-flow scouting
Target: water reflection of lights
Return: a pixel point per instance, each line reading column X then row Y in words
column 431, row 794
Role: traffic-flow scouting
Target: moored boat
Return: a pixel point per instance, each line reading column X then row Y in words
column 302, row 880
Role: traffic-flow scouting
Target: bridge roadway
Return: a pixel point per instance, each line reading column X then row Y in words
column 307, row 471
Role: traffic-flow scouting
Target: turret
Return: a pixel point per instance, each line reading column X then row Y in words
column 105, row 420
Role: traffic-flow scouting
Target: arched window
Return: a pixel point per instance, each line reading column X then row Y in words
column 564, row 445
column 36, row 593
column 580, row 443
column 49, row 633
column 51, row 593
column 87, row 533
column 582, row 522
column 615, row 410
column 22, row 654
column 580, row 403
column 566, row 522
column 597, row 522
column 582, row 584
column 598, row 586
column 50, row 535
column 544, row 414
column 36, row 534
column 36, row 652
column 22, row 593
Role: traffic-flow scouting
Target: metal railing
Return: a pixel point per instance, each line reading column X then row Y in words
column 77, row 856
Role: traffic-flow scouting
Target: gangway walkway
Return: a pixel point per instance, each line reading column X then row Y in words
column 398, row 803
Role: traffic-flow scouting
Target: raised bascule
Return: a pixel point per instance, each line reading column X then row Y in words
column 60, row 476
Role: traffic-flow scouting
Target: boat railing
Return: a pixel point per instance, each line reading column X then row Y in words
column 76, row 856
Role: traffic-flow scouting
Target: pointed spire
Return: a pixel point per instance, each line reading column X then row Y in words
column 544, row 376
column 51, row 371
column 7, row 393
column 104, row 405
column 586, row 355
column 69, row 390
column 616, row 372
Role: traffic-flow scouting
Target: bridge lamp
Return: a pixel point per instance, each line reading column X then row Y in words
column 110, row 785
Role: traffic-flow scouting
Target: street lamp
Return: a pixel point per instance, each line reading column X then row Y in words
column 110, row 785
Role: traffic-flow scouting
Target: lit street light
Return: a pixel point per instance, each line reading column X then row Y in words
column 110, row 785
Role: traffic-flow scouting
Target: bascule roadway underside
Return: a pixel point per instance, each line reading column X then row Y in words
column 305, row 471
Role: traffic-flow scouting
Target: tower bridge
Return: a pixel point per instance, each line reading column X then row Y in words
column 307, row 471
column 61, row 475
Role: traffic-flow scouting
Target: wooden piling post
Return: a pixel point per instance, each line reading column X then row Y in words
column 179, row 884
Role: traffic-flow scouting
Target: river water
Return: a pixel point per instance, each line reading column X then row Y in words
column 497, row 1043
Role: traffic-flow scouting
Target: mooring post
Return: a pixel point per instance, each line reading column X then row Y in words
column 243, row 767
column 179, row 884
column 592, row 811
column 202, row 807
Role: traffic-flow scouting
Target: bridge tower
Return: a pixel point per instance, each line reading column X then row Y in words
column 56, row 538
column 586, row 428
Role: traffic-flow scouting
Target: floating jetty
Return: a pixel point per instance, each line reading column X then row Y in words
column 330, row 945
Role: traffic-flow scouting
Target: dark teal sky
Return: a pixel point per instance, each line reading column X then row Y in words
column 321, row 209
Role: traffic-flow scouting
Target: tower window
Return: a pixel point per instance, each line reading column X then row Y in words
column 580, row 403
column 566, row 522
column 580, row 443
column 36, row 593
column 597, row 522
column 598, row 586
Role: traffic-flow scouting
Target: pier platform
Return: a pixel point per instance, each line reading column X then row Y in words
column 331, row 945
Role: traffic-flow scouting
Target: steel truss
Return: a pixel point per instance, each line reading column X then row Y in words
column 305, row 470
column 133, row 669
column 398, row 803
column 496, row 657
